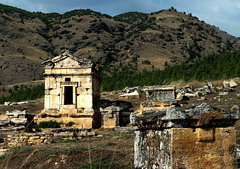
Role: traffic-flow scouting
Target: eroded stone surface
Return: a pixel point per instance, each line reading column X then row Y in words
column 195, row 137
column 72, row 91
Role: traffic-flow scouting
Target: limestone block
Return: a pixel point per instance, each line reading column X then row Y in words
column 205, row 134
column 233, row 83
column 226, row 84
column 187, row 152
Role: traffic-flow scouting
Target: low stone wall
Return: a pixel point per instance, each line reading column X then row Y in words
column 47, row 137
column 19, row 139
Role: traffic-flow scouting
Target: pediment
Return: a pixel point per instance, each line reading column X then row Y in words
column 66, row 63
column 67, row 60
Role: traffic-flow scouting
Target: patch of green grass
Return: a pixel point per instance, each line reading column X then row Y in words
column 12, row 152
column 56, row 151
column 124, row 136
column 2, row 157
column 112, row 134
column 23, row 149
column 127, row 136
column 50, row 124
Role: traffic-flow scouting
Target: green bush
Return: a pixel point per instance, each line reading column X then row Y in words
column 50, row 124
column 70, row 124
column 146, row 62
column 84, row 37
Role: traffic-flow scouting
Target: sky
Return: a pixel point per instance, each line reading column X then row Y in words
column 224, row 14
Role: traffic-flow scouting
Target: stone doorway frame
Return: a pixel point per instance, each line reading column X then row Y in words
column 74, row 85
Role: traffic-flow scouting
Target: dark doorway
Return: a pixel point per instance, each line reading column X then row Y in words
column 68, row 99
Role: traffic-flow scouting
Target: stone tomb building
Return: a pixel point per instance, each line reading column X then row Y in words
column 194, row 137
column 72, row 91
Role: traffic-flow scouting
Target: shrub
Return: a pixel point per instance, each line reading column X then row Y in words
column 84, row 37
column 70, row 124
column 146, row 62
column 50, row 124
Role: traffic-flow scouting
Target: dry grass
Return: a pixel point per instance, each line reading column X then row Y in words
column 195, row 83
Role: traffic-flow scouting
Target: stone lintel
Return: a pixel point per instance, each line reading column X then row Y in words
column 68, row 74
column 160, row 88
column 202, row 116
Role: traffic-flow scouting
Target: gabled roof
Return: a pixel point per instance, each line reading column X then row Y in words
column 83, row 62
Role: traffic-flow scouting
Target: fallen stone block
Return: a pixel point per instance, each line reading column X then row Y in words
column 233, row 83
column 238, row 96
column 223, row 93
column 191, row 94
column 226, row 84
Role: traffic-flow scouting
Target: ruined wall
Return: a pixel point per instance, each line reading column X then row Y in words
column 152, row 148
column 110, row 120
column 203, row 148
column 195, row 137
column 160, row 93
column 178, row 148
column 47, row 137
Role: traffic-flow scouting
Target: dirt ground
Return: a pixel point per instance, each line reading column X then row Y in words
column 112, row 149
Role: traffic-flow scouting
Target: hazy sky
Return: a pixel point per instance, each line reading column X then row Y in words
column 224, row 14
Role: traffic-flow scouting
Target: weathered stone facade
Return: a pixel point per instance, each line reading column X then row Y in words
column 72, row 91
column 194, row 137
column 114, row 114
column 158, row 98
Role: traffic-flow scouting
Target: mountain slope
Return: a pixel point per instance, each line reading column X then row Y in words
column 131, row 40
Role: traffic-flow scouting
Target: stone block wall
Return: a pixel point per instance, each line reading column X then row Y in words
column 194, row 137
column 48, row 136
column 17, row 139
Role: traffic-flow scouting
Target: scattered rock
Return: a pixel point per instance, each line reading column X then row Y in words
column 191, row 94
column 226, row 84
column 85, row 133
column 126, row 129
column 230, row 84
column 229, row 89
column 223, row 93
column 134, row 94
column 132, row 89
column 210, row 84
column 133, row 118
column 7, row 103
column 188, row 89
column 219, row 87
column 233, row 84
column 179, row 96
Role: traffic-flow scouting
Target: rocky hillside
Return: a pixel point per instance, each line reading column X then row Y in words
column 131, row 40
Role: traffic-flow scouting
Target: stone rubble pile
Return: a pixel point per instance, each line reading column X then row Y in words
column 132, row 89
column 16, row 120
column 187, row 92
